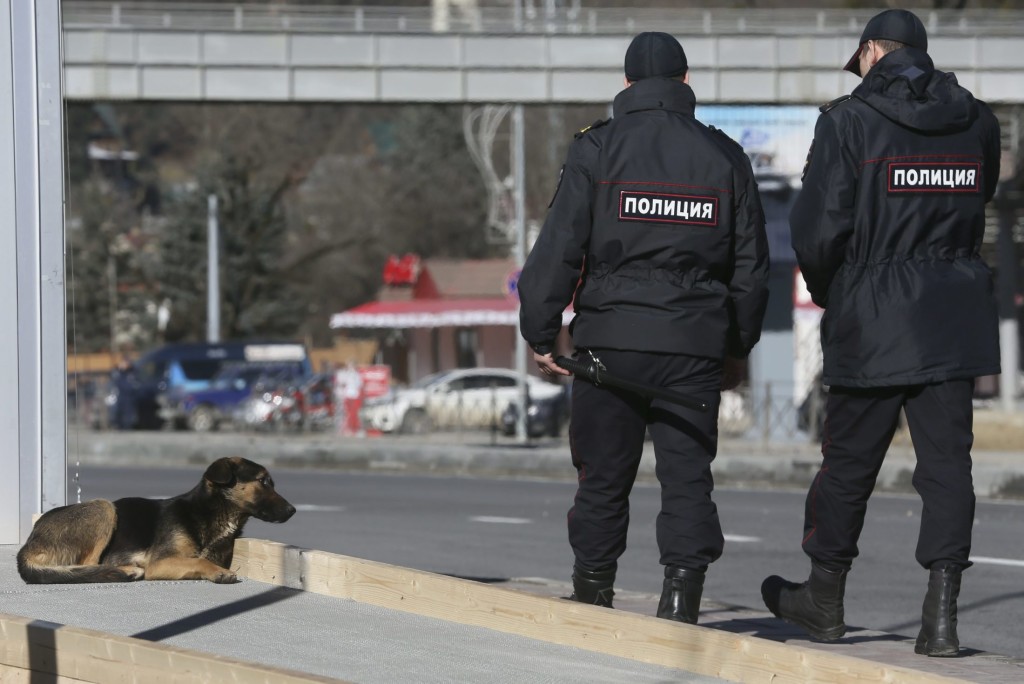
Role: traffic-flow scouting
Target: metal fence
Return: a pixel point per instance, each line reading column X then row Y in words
column 513, row 17
column 765, row 413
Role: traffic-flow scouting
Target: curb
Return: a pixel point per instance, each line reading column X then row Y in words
column 997, row 475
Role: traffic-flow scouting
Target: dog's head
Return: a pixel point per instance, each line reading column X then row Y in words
column 249, row 487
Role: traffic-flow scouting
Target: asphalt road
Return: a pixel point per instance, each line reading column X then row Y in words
column 485, row 528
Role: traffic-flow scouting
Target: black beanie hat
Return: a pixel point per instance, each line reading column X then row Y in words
column 653, row 54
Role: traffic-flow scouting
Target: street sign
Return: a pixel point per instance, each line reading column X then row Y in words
column 511, row 285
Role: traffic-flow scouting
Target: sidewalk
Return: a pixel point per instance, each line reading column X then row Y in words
column 304, row 632
column 370, row 623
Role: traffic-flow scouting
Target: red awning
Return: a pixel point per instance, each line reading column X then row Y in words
column 432, row 313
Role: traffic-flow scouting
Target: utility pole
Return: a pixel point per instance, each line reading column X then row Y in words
column 519, row 196
column 212, row 272
column 112, row 299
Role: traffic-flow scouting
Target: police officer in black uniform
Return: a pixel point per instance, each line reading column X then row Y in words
column 657, row 228
column 887, row 232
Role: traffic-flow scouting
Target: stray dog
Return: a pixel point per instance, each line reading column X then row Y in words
column 190, row 536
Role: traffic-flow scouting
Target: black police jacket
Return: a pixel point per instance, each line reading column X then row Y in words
column 888, row 227
column 657, row 228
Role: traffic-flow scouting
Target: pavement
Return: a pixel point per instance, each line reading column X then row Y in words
column 340, row 638
column 305, row 632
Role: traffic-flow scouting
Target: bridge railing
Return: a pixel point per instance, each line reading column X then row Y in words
column 510, row 19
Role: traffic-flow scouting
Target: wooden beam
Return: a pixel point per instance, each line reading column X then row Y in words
column 72, row 654
column 700, row 650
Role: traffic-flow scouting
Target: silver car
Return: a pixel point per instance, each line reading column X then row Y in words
column 464, row 398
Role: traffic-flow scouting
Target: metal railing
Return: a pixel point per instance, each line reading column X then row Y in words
column 511, row 17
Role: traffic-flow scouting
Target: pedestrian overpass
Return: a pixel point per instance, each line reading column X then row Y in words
column 275, row 53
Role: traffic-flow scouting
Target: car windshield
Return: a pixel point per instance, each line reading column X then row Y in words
column 428, row 380
column 244, row 376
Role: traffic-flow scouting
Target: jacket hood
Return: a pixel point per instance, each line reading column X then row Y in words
column 905, row 87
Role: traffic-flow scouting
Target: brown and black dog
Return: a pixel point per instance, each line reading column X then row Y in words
column 189, row 536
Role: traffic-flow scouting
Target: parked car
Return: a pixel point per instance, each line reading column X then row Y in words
column 205, row 410
column 136, row 398
column 463, row 398
column 544, row 417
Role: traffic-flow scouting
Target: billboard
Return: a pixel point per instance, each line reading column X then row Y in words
column 776, row 138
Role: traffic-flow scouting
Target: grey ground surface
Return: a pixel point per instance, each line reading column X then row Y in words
column 316, row 634
column 321, row 635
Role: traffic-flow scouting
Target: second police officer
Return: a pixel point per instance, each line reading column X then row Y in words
column 887, row 231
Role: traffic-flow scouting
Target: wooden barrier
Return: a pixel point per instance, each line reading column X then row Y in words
column 33, row 650
column 699, row 650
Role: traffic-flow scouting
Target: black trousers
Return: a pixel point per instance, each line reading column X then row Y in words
column 859, row 426
column 607, row 438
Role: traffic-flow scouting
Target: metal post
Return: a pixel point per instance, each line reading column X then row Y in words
column 766, row 417
column 212, row 272
column 112, row 299
column 1006, row 293
column 519, row 177
column 33, row 356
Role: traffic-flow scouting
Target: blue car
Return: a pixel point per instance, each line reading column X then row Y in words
column 140, row 394
column 205, row 410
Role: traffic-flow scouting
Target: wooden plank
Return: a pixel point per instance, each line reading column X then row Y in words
column 16, row 675
column 74, row 654
column 700, row 650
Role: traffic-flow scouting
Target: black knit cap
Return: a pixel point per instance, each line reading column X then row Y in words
column 895, row 24
column 653, row 54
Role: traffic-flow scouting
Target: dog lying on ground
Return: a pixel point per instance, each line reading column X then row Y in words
column 190, row 536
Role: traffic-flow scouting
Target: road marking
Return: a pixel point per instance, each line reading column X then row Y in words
column 740, row 539
column 500, row 520
column 316, row 508
column 998, row 561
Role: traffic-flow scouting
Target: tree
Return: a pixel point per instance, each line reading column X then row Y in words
column 313, row 198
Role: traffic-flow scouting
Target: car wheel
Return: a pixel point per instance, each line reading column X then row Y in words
column 202, row 419
column 415, row 422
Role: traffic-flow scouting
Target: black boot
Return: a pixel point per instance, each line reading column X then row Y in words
column 680, row 596
column 938, row 617
column 593, row 586
column 816, row 605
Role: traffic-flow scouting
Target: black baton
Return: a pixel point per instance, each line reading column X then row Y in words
column 591, row 371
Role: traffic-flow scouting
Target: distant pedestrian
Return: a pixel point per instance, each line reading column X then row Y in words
column 887, row 232
column 657, row 228
column 349, row 387
column 123, row 388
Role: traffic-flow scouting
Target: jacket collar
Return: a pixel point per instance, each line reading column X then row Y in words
column 655, row 93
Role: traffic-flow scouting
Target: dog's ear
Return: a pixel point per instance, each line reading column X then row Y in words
column 221, row 472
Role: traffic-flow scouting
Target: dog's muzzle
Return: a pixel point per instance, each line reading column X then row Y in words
column 276, row 512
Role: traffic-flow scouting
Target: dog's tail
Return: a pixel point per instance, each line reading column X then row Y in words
column 33, row 573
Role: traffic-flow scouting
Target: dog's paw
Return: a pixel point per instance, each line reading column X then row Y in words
column 132, row 573
column 223, row 577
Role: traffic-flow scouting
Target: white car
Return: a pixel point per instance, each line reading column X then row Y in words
column 463, row 398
